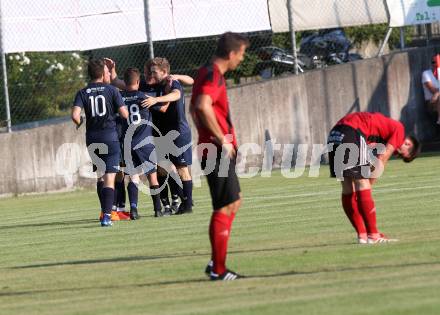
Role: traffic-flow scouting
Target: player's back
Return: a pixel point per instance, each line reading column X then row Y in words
column 175, row 117
column 138, row 117
column 100, row 102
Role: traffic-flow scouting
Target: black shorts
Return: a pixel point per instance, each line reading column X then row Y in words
column 108, row 162
column 222, row 180
column 350, row 156
column 143, row 158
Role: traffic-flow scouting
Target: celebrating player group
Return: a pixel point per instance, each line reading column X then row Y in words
column 136, row 127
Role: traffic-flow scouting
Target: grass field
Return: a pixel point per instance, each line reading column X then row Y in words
column 290, row 237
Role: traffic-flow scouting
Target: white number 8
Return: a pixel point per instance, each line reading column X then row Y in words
column 135, row 116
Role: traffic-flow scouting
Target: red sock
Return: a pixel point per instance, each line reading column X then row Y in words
column 349, row 203
column 367, row 209
column 219, row 230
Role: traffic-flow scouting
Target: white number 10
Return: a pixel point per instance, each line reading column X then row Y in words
column 97, row 103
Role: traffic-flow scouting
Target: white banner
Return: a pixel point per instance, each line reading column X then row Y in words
column 411, row 12
column 319, row 14
column 57, row 25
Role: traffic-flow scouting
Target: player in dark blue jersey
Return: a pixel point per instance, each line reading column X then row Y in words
column 173, row 119
column 139, row 149
column 101, row 102
column 151, row 87
column 118, row 211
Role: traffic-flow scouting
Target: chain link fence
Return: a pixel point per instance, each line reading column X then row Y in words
column 42, row 85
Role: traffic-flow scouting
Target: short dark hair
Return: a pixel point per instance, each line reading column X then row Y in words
column 131, row 75
column 415, row 151
column 229, row 42
column 95, row 68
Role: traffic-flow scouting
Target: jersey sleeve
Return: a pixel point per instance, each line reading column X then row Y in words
column 78, row 101
column 426, row 77
column 117, row 99
column 398, row 136
column 210, row 85
column 175, row 85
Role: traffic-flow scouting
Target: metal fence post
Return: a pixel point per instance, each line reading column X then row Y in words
column 148, row 27
column 292, row 34
column 5, row 76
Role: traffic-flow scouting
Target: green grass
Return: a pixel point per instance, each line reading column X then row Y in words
column 290, row 237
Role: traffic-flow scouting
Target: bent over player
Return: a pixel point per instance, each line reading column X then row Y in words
column 352, row 161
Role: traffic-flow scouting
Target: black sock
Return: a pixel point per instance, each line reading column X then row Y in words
column 156, row 198
column 121, row 193
column 187, row 193
column 99, row 185
column 108, row 195
column 132, row 190
column 164, row 192
column 176, row 190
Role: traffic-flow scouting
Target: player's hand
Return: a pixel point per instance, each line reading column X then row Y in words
column 229, row 150
column 149, row 101
column 81, row 120
column 110, row 63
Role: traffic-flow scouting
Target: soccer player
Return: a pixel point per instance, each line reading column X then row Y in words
column 139, row 129
column 173, row 119
column 150, row 86
column 352, row 160
column 100, row 102
column 210, row 111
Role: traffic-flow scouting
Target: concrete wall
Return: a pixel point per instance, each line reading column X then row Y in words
column 290, row 110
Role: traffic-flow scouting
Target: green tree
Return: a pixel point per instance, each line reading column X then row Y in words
column 42, row 85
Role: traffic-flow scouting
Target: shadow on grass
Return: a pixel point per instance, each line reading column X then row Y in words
column 158, row 257
column 45, row 224
column 204, row 280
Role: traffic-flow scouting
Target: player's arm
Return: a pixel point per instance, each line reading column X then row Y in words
column 207, row 119
column 383, row 158
column 430, row 87
column 115, row 81
column 123, row 111
column 182, row 78
column 173, row 96
column 76, row 115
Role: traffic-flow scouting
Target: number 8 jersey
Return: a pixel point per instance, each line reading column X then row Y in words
column 100, row 102
column 138, row 116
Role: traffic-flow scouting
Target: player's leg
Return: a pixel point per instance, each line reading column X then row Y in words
column 155, row 195
column 350, row 206
column 183, row 163
column 162, row 180
column 119, row 212
column 99, row 185
column 133, row 194
column 175, row 185
column 226, row 200
column 187, row 185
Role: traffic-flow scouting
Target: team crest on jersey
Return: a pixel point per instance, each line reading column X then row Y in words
column 88, row 91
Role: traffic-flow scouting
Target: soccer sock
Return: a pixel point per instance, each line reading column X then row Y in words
column 121, row 193
column 108, row 195
column 164, row 192
column 367, row 209
column 99, row 185
column 133, row 193
column 349, row 203
column 156, row 198
column 187, row 193
column 176, row 190
column 219, row 236
column 115, row 198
